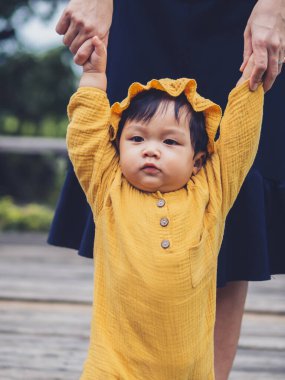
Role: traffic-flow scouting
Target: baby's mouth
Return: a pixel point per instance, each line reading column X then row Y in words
column 150, row 168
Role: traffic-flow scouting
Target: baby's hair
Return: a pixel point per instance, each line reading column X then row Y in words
column 145, row 105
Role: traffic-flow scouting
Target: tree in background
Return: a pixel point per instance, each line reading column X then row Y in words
column 34, row 92
column 27, row 8
column 34, row 87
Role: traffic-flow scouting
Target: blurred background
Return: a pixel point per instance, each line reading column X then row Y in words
column 37, row 77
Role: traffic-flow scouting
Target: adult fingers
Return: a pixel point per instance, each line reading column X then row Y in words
column 77, row 43
column 271, row 72
column 63, row 23
column 281, row 60
column 83, row 35
column 246, row 74
column 70, row 35
column 260, row 54
column 247, row 50
column 105, row 39
column 272, row 69
column 84, row 52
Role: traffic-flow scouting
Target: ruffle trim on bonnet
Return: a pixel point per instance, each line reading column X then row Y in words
column 212, row 111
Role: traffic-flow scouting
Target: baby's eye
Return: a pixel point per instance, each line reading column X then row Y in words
column 136, row 139
column 170, row 142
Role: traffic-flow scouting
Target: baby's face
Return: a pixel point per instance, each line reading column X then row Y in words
column 157, row 155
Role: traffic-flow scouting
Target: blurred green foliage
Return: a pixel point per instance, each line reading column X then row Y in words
column 31, row 217
column 35, row 89
column 46, row 128
column 32, row 178
column 34, row 93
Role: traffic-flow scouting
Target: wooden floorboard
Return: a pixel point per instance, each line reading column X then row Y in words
column 45, row 310
column 43, row 341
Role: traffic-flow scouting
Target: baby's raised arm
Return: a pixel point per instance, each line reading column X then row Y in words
column 239, row 135
column 89, row 147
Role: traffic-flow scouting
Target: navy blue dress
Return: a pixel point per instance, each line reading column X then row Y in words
column 201, row 40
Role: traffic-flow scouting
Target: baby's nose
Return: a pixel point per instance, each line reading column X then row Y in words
column 151, row 151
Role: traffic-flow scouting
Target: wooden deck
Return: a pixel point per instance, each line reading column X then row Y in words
column 45, row 309
column 32, row 145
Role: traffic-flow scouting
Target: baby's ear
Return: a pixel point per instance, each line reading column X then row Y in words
column 199, row 160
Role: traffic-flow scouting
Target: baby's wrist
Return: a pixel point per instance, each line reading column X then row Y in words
column 91, row 79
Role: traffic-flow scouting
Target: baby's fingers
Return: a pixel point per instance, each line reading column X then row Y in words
column 100, row 47
column 98, row 59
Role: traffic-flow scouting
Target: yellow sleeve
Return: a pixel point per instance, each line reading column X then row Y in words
column 239, row 138
column 92, row 154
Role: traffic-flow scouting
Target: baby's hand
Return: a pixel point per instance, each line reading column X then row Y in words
column 98, row 59
column 246, row 74
column 94, row 69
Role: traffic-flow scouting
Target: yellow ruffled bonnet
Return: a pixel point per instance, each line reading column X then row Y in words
column 212, row 111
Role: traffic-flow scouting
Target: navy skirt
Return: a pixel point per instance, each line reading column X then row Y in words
column 201, row 40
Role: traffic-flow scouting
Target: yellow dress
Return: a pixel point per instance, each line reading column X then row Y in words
column 156, row 254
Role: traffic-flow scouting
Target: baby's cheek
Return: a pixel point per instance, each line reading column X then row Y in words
column 127, row 166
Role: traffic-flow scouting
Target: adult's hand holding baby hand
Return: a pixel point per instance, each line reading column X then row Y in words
column 264, row 38
column 80, row 23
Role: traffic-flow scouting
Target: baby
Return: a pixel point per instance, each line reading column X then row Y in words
column 160, row 187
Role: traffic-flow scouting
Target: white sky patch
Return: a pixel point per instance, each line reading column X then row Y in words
column 37, row 34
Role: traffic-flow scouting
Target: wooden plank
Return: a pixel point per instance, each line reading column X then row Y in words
column 267, row 296
column 32, row 145
column 41, row 272
column 54, row 348
column 49, row 341
column 45, row 335
column 36, row 272
column 43, row 341
column 260, row 331
column 258, row 365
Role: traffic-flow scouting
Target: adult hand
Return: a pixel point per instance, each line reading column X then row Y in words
column 264, row 37
column 82, row 20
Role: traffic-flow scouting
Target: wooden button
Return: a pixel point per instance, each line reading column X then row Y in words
column 164, row 222
column 165, row 244
column 160, row 203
